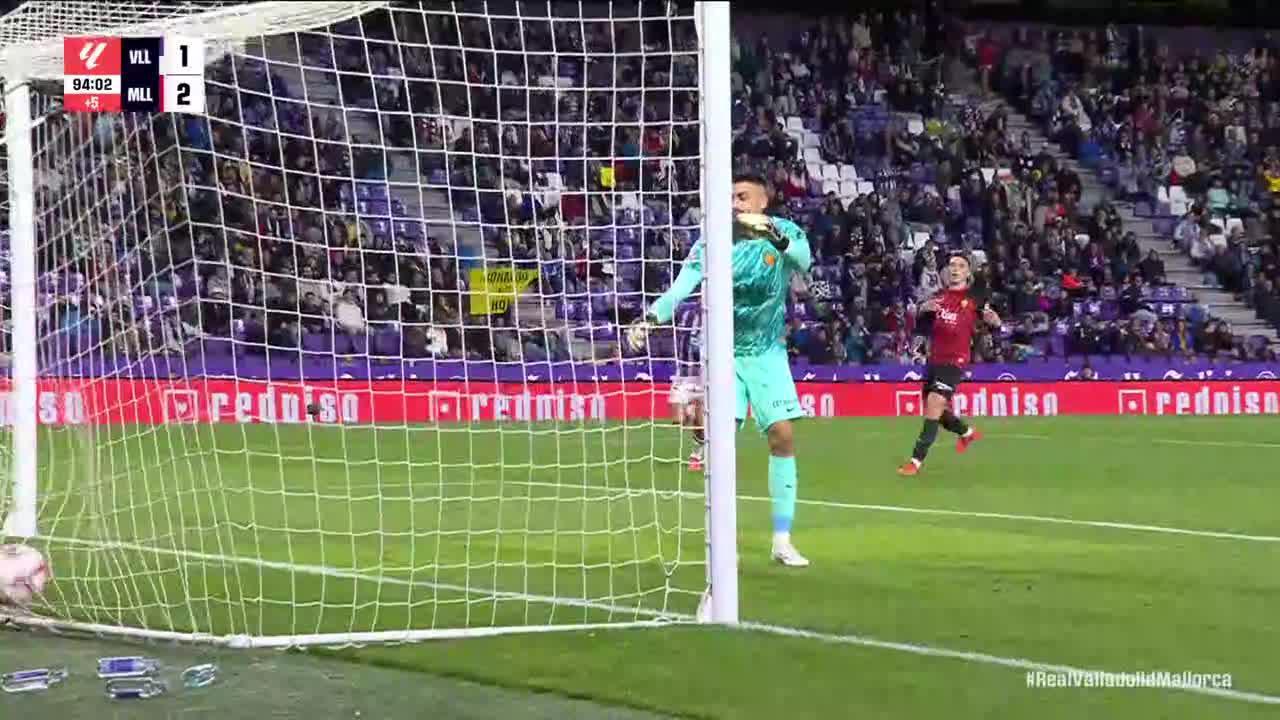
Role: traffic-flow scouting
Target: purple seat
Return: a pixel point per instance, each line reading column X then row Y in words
column 216, row 346
column 342, row 344
column 409, row 230
column 1110, row 311
column 317, row 342
column 881, row 341
column 386, row 343
column 665, row 347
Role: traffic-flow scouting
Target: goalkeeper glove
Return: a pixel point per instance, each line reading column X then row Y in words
column 763, row 225
column 638, row 332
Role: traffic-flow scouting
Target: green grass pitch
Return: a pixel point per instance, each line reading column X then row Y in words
column 1058, row 541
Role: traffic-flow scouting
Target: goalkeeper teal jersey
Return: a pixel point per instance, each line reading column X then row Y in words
column 761, row 284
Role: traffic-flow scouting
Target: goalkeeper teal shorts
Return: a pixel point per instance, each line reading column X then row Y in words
column 765, row 384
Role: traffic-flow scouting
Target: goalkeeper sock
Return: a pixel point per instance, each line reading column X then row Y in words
column 954, row 424
column 928, row 434
column 782, row 491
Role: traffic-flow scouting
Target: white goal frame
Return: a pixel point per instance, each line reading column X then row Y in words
column 31, row 50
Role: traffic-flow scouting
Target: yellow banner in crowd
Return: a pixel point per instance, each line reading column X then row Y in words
column 493, row 290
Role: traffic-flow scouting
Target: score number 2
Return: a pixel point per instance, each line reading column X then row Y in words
column 182, row 65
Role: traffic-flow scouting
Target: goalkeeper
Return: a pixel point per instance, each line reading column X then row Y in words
column 767, row 251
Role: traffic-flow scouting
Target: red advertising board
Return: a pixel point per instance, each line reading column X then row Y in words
column 73, row 401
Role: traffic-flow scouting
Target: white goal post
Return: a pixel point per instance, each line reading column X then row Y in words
column 339, row 361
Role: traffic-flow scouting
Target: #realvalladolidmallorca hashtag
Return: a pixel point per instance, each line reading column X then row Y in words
column 1151, row 679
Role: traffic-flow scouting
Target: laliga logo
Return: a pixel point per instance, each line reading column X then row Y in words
column 1266, row 375
column 1006, row 376
column 1172, row 375
column 1071, row 375
column 91, row 52
column 912, row 376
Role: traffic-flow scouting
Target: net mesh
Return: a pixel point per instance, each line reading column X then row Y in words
column 343, row 356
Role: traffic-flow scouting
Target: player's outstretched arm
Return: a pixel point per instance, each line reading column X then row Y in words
column 664, row 308
column 687, row 280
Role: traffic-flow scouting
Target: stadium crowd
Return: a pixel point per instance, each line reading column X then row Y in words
column 1192, row 130
column 281, row 221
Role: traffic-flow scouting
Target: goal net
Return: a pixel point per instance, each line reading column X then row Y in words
column 340, row 359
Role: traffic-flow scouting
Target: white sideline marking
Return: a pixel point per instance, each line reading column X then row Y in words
column 1050, row 519
column 1214, row 443
column 1037, row 518
column 985, row 659
column 860, row 640
column 1137, row 440
column 353, row 575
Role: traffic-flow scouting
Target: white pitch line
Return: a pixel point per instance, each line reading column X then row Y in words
column 353, row 575
column 1213, row 443
column 986, row 659
column 1037, row 518
column 1014, row 517
column 780, row 630
column 1143, row 441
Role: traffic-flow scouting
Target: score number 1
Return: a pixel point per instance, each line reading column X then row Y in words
column 182, row 74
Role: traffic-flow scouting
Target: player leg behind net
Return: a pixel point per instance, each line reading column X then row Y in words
column 767, row 252
column 952, row 316
column 686, row 387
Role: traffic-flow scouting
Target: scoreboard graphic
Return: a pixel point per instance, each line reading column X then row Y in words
column 133, row 74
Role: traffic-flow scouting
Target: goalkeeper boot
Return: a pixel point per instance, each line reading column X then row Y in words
column 786, row 554
column 968, row 439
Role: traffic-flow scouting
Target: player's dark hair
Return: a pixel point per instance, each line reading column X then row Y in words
column 963, row 256
column 750, row 177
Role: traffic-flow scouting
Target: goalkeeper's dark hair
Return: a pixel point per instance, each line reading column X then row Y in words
column 750, row 177
column 962, row 255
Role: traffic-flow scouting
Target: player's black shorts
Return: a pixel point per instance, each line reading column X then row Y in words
column 942, row 379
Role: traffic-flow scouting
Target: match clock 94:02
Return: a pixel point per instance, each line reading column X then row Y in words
column 93, row 84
